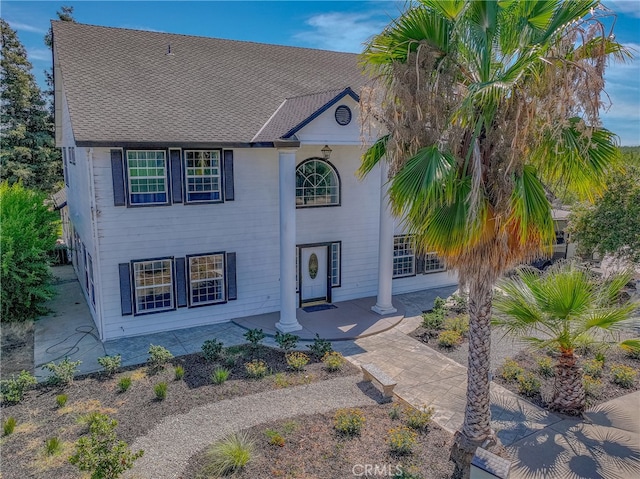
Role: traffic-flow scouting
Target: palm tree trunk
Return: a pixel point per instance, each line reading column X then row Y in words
column 568, row 394
column 476, row 429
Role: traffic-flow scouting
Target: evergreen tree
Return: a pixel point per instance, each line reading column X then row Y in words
column 27, row 145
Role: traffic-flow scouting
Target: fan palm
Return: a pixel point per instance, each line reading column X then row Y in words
column 488, row 105
column 561, row 309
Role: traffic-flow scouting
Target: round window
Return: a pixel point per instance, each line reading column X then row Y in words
column 343, row 115
column 313, row 266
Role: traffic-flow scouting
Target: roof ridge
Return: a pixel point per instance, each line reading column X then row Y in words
column 337, row 90
column 247, row 42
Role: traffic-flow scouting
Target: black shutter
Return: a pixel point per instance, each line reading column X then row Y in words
column 228, row 175
column 125, row 289
column 232, row 286
column 181, row 283
column 176, row 175
column 117, row 174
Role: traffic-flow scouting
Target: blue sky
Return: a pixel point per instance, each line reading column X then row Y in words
column 331, row 25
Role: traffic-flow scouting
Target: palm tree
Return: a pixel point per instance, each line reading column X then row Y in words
column 560, row 309
column 488, row 105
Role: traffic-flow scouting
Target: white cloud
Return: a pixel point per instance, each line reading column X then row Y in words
column 27, row 27
column 42, row 54
column 345, row 32
column 628, row 7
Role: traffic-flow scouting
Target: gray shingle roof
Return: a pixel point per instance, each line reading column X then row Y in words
column 122, row 86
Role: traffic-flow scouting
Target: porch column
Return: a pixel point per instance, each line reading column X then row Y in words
column 287, row 170
column 385, row 253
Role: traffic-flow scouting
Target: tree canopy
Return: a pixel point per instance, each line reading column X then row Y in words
column 27, row 146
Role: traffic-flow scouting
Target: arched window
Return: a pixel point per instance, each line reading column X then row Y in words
column 317, row 184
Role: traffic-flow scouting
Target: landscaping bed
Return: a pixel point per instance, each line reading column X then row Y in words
column 310, row 447
column 39, row 418
column 599, row 379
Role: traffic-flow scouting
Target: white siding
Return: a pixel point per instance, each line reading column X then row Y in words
column 325, row 130
column 247, row 226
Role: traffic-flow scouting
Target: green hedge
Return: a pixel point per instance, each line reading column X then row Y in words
column 28, row 234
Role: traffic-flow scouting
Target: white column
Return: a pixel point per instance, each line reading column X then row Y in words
column 385, row 253
column 287, row 169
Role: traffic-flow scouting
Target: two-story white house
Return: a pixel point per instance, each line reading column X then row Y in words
column 213, row 179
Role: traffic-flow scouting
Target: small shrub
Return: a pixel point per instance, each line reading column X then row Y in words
column 457, row 323
column 280, row 380
column 61, row 400
column 449, row 339
column 212, row 349
column 178, row 372
column 623, row 376
column 63, row 372
column 101, row 453
column 460, row 303
column 110, row 363
column 52, row 446
column 158, row 356
column 124, row 384
column 394, row 412
column 511, row 370
column 256, row 369
column 439, row 303
column 401, row 440
column 418, row 418
column 229, row 362
column 286, row 341
column 592, row 386
column 219, row 375
column 600, row 357
column 402, row 473
column 12, row 390
column 229, row 455
column 592, row 368
column 297, row 360
column 8, row 425
column 161, row 391
column 433, row 319
column 333, row 361
column 275, row 438
column 349, row 421
column 255, row 337
column 528, row 384
column 90, row 418
column 631, row 350
column 545, row 366
column 320, row 347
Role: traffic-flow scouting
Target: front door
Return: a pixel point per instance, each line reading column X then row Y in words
column 313, row 274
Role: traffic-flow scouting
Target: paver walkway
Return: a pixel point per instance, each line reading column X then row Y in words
column 170, row 444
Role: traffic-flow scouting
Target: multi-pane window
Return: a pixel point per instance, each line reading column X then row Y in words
column 202, row 174
column 91, row 290
column 206, row 279
column 430, row 263
column 153, row 281
column 404, row 259
column 335, row 264
column 317, row 184
column 147, row 173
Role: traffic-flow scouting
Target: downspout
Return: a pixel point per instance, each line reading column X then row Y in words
column 97, row 276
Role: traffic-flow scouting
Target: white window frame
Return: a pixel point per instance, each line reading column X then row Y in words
column 156, row 177
column 429, row 259
column 138, row 288
column 315, row 182
column 404, row 258
column 211, row 177
column 221, row 279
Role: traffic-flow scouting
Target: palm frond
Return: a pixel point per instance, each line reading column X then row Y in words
column 609, row 319
column 372, row 156
column 631, row 345
column 530, row 217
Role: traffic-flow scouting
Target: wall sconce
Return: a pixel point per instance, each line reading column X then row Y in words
column 326, row 152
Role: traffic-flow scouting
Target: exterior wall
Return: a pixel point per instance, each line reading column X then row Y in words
column 355, row 222
column 79, row 201
column 247, row 226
